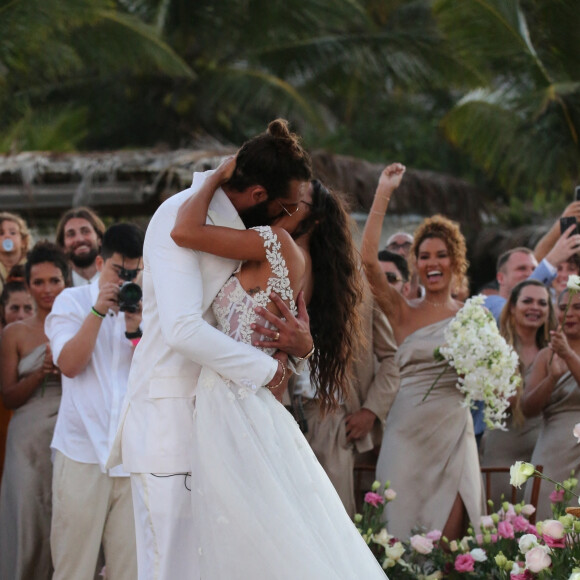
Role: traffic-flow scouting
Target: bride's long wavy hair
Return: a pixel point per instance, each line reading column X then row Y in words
column 337, row 292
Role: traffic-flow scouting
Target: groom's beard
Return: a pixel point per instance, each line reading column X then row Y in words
column 257, row 215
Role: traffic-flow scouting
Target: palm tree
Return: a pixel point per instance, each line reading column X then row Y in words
column 53, row 50
column 522, row 123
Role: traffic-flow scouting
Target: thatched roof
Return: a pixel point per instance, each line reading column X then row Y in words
column 135, row 182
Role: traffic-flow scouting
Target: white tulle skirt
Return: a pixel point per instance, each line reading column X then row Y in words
column 265, row 507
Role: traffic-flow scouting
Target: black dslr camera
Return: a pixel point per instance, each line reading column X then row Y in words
column 130, row 295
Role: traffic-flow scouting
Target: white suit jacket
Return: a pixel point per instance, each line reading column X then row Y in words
column 155, row 430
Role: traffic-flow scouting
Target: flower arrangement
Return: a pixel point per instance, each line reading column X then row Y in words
column 505, row 545
column 486, row 364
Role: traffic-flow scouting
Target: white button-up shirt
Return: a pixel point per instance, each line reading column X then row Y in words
column 91, row 402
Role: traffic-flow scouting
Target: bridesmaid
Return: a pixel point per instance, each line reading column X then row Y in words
column 30, row 384
column 15, row 304
column 552, row 392
column 428, row 451
column 525, row 323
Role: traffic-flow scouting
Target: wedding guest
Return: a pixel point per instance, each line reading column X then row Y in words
column 551, row 391
column 93, row 342
column 80, row 234
column 31, row 386
column 355, row 428
column 16, row 303
column 565, row 269
column 14, row 243
column 420, row 435
column 525, row 323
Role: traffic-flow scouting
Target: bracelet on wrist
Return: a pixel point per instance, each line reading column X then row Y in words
column 271, row 387
column 97, row 313
column 307, row 355
column 132, row 335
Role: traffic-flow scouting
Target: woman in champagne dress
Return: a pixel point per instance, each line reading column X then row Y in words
column 525, row 323
column 31, row 386
column 428, row 452
column 551, row 391
column 265, row 507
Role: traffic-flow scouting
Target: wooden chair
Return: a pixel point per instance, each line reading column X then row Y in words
column 488, row 472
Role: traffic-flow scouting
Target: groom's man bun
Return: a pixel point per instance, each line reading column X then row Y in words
column 272, row 160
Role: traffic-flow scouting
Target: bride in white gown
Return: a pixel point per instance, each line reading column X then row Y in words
column 265, row 507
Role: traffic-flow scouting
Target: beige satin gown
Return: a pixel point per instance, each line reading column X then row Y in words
column 557, row 449
column 428, row 452
column 26, row 493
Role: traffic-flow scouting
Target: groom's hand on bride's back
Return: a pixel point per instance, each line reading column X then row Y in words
column 290, row 333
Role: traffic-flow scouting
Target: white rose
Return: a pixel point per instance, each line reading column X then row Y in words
column 528, row 509
column 573, row 283
column 520, row 472
column 390, row 494
column 421, row 544
column 577, row 431
column 574, row 576
column 395, row 551
column 527, row 542
column 478, row 555
column 537, row 559
column 382, row 538
column 554, row 529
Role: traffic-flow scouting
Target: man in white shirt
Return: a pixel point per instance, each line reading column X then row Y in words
column 92, row 343
column 153, row 442
column 80, row 233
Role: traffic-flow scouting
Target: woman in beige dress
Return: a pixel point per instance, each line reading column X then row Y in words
column 525, row 323
column 30, row 385
column 552, row 392
column 428, row 452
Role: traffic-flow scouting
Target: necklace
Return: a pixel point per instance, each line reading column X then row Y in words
column 436, row 303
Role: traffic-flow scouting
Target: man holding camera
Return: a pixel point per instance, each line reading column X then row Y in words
column 93, row 331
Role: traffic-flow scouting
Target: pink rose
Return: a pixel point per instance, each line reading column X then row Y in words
column 537, row 559
column 434, row 535
column 520, row 524
column 557, row 496
column 561, row 543
column 554, row 529
column 421, row 544
column 464, row 563
column 505, row 529
column 494, row 538
column 374, row 498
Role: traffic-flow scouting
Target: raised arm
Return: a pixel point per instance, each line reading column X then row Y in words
column 388, row 299
column 549, row 239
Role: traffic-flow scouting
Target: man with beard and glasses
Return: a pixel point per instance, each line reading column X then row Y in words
column 153, row 441
column 80, row 233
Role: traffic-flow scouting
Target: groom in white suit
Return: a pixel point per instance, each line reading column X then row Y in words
column 154, row 437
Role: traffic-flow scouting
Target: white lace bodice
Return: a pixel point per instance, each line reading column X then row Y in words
column 234, row 307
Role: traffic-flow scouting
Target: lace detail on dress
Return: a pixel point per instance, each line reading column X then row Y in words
column 234, row 307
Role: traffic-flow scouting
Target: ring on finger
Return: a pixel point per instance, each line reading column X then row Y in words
column 276, row 337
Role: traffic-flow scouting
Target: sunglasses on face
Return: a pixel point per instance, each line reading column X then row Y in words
column 289, row 208
column 392, row 278
column 125, row 273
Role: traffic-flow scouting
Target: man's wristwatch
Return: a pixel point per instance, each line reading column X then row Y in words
column 136, row 334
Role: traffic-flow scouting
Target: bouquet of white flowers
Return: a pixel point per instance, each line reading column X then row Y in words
column 486, row 364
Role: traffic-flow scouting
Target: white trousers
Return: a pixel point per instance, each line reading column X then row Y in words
column 167, row 544
column 90, row 507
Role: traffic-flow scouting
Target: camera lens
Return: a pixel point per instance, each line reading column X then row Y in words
column 130, row 295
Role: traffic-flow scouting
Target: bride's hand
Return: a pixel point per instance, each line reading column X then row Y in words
column 390, row 179
column 225, row 170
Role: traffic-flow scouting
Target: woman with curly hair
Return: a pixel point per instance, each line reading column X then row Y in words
column 265, row 506
column 525, row 322
column 14, row 243
column 428, row 451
